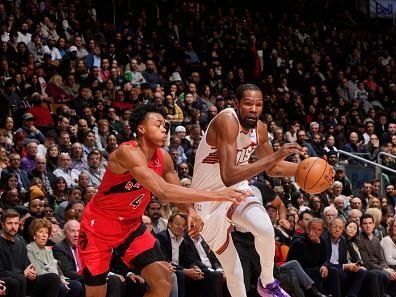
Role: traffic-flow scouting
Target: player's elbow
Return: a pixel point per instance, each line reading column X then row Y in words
column 227, row 180
column 162, row 194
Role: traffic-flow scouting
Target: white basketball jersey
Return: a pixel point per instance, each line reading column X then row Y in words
column 207, row 167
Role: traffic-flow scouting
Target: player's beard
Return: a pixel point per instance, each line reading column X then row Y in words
column 247, row 124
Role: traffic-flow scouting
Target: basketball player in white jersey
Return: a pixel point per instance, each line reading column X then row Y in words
column 222, row 161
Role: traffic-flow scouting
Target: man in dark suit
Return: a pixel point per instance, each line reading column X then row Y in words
column 309, row 250
column 40, row 171
column 346, row 278
column 195, row 252
column 190, row 273
column 66, row 253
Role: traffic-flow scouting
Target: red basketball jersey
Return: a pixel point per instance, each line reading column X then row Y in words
column 120, row 196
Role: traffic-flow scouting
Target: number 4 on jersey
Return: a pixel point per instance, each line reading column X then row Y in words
column 135, row 203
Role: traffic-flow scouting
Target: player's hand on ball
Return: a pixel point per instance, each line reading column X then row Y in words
column 289, row 149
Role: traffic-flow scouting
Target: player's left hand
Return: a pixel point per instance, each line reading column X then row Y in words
column 232, row 195
column 194, row 223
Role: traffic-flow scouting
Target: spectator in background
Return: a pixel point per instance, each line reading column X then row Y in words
column 291, row 134
column 372, row 255
column 195, row 251
column 14, row 167
column 94, row 59
column 95, row 170
column 151, row 76
column 303, row 218
column 43, row 259
column 302, row 141
column 388, row 245
column 373, row 283
column 191, row 278
column 24, row 35
column 183, row 170
column 28, row 162
column 369, row 130
column 55, row 90
column 60, row 192
column 176, row 144
column 42, row 116
column 350, row 275
column 390, row 194
column 79, row 48
column 19, row 275
column 329, row 214
column 66, row 171
column 133, row 75
column 65, row 251
column 372, row 148
column 387, row 136
column 353, row 146
column 153, row 211
column 29, row 129
column 356, row 203
column 354, row 215
column 77, row 155
column 365, row 192
column 309, row 250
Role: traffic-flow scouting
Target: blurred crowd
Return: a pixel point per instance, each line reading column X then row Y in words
column 69, row 82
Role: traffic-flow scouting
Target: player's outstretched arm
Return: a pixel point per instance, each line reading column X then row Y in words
column 226, row 131
column 135, row 162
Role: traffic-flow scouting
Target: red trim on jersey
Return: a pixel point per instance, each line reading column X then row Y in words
column 212, row 158
column 221, row 249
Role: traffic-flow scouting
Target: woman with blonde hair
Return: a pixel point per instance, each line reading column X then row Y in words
column 374, row 202
column 55, row 90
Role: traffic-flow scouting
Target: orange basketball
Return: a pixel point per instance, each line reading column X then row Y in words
column 314, row 175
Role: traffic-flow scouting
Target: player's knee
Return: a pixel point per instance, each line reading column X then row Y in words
column 261, row 230
column 162, row 286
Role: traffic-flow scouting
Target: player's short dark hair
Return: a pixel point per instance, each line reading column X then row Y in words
column 139, row 114
column 245, row 87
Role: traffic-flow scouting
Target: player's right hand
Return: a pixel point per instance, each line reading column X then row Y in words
column 194, row 223
column 289, row 149
column 232, row 195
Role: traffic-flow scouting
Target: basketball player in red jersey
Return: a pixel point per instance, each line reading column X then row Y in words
column 112, row 219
